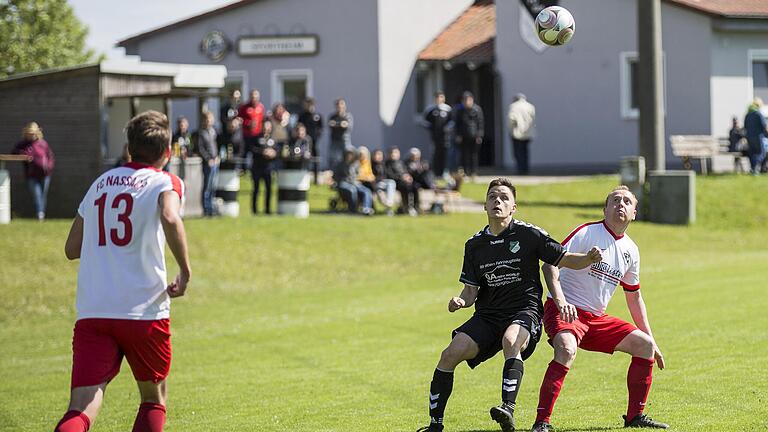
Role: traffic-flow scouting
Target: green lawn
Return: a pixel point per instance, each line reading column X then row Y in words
column 335, row 323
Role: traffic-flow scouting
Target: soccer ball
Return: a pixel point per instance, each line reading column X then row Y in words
column 555, row 25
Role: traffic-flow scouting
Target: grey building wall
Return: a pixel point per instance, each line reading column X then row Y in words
column 66, row 106
column 731, row 83
column 346, row 65
column 577, row 88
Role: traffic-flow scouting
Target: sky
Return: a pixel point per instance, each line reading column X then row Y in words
column 111, row 20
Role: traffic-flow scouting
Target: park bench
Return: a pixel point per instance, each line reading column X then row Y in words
column 705, row 148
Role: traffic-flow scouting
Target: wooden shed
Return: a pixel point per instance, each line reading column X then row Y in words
column 83, row 110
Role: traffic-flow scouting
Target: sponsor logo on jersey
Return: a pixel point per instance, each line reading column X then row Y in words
column 495, row 242
column 502, row 275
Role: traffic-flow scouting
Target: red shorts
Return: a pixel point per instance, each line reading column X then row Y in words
column 99, row 344
column 593, row 332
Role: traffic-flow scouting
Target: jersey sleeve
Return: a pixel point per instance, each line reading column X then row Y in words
column 631, row 280
column 175, row 184
column 468, row 275
column 549, row 250
column 574, row 242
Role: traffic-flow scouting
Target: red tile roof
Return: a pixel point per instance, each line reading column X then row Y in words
column 469, row 38
column 728, row 8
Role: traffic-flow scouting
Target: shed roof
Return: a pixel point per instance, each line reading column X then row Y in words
column 470, row 37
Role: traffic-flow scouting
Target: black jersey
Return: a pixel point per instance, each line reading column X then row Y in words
column 506, row 268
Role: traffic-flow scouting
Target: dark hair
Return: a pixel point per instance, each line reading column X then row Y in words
column 502, row 182
column 439, row 93
column 309, row 100
column 149, row 136
column 467, row 94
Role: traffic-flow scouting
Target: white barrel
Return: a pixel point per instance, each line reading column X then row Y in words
column 5, row 197
column 227, row 187
column 292, row 192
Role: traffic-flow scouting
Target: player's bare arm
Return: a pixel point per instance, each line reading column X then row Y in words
column 173, row 226
column 74, row 241
column 578, row 261
column 465, row 299
column 552, row 279
column 636, row 307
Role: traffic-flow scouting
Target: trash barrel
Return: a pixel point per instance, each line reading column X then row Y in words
column 227, row 187
column 293, row 185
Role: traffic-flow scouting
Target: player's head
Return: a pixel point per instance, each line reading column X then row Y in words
column 500, row 199
column 620, row 205
column 149, row 137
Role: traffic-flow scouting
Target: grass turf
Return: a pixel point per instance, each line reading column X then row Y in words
column 335, row 323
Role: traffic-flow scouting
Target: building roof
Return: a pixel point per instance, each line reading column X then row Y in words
column 468, row 38
column 728, row 8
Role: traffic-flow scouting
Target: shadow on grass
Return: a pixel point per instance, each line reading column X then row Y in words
column 582, row 429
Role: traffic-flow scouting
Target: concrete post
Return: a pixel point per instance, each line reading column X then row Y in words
column 650, row 77
column 672, row 198
column 632, row 172
column 5, row 197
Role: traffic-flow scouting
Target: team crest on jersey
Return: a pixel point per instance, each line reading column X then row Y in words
column 626, row 257
column 514, row 246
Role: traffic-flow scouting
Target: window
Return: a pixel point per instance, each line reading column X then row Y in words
column 760, row 79
column 630, row 85
column 291, row 87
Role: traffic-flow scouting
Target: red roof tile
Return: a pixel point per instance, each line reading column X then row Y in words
column 728, row 8
column 469, row 38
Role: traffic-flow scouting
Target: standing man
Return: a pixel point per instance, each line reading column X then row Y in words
column 208, row 148
column 313, row 121
column 252, row 114
column 580, row 320
column 340, row 124
column 756, row 132
column 123, row 302
column 521, row 122
column 470, row 129
column 501, row 278
column 229, row 110
column 437, row 118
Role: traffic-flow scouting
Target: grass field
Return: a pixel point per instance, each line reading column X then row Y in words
column 335, row 323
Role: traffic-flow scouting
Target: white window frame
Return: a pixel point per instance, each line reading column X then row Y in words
column 279, row 75
column 625, row 83
column 753, row 55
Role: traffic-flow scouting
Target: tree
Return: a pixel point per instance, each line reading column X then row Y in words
column 40, row 34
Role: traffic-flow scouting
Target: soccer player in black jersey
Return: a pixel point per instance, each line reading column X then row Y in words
column 501, row 278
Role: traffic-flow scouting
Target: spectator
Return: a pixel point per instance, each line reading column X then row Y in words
column 384, row 187
column 755, row 131
column 419, row 170
column 264, row 155
column 232, row 140
column 470, row 130
column 252, row 115
column 396, row 171
column 39, row 167
column 351, row 190
column 365, row 173
column 228, row 110
column 437, row 118
column 182, row 139
column 736, row 138
column 340, row 124
column 522, row 120
column 280, row 119
column 299, row 153
column 313, row 121
column 209, row 152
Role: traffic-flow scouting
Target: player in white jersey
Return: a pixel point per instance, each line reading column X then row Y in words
column 580, row 321
column 123, row 299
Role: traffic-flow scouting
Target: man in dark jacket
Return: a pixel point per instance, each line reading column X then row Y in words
column 470, row 129
column 755, row 130
column 209, row 152
column 436, row 118
column 313, row 121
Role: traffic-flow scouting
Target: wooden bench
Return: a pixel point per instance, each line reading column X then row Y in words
column 705, row 148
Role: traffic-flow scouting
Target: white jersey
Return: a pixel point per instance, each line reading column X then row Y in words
column 122, row 261
column 591, row 288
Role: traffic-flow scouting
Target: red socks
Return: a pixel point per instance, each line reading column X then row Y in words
column 550, row 389
column 73, row 421
column 639, row 379
column 150, row 418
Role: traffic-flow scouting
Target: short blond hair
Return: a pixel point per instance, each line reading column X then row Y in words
column 618, row 189
column 32, row 128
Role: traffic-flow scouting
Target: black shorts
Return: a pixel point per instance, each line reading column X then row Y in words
column 488, row 332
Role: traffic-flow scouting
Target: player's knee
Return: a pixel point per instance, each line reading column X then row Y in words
column 565, row 349
column 644, row 346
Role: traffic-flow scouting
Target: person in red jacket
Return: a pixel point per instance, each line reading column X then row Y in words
column 39, row 167
column 252, row 114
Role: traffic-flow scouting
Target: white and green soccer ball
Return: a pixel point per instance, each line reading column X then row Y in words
column 555, row 26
